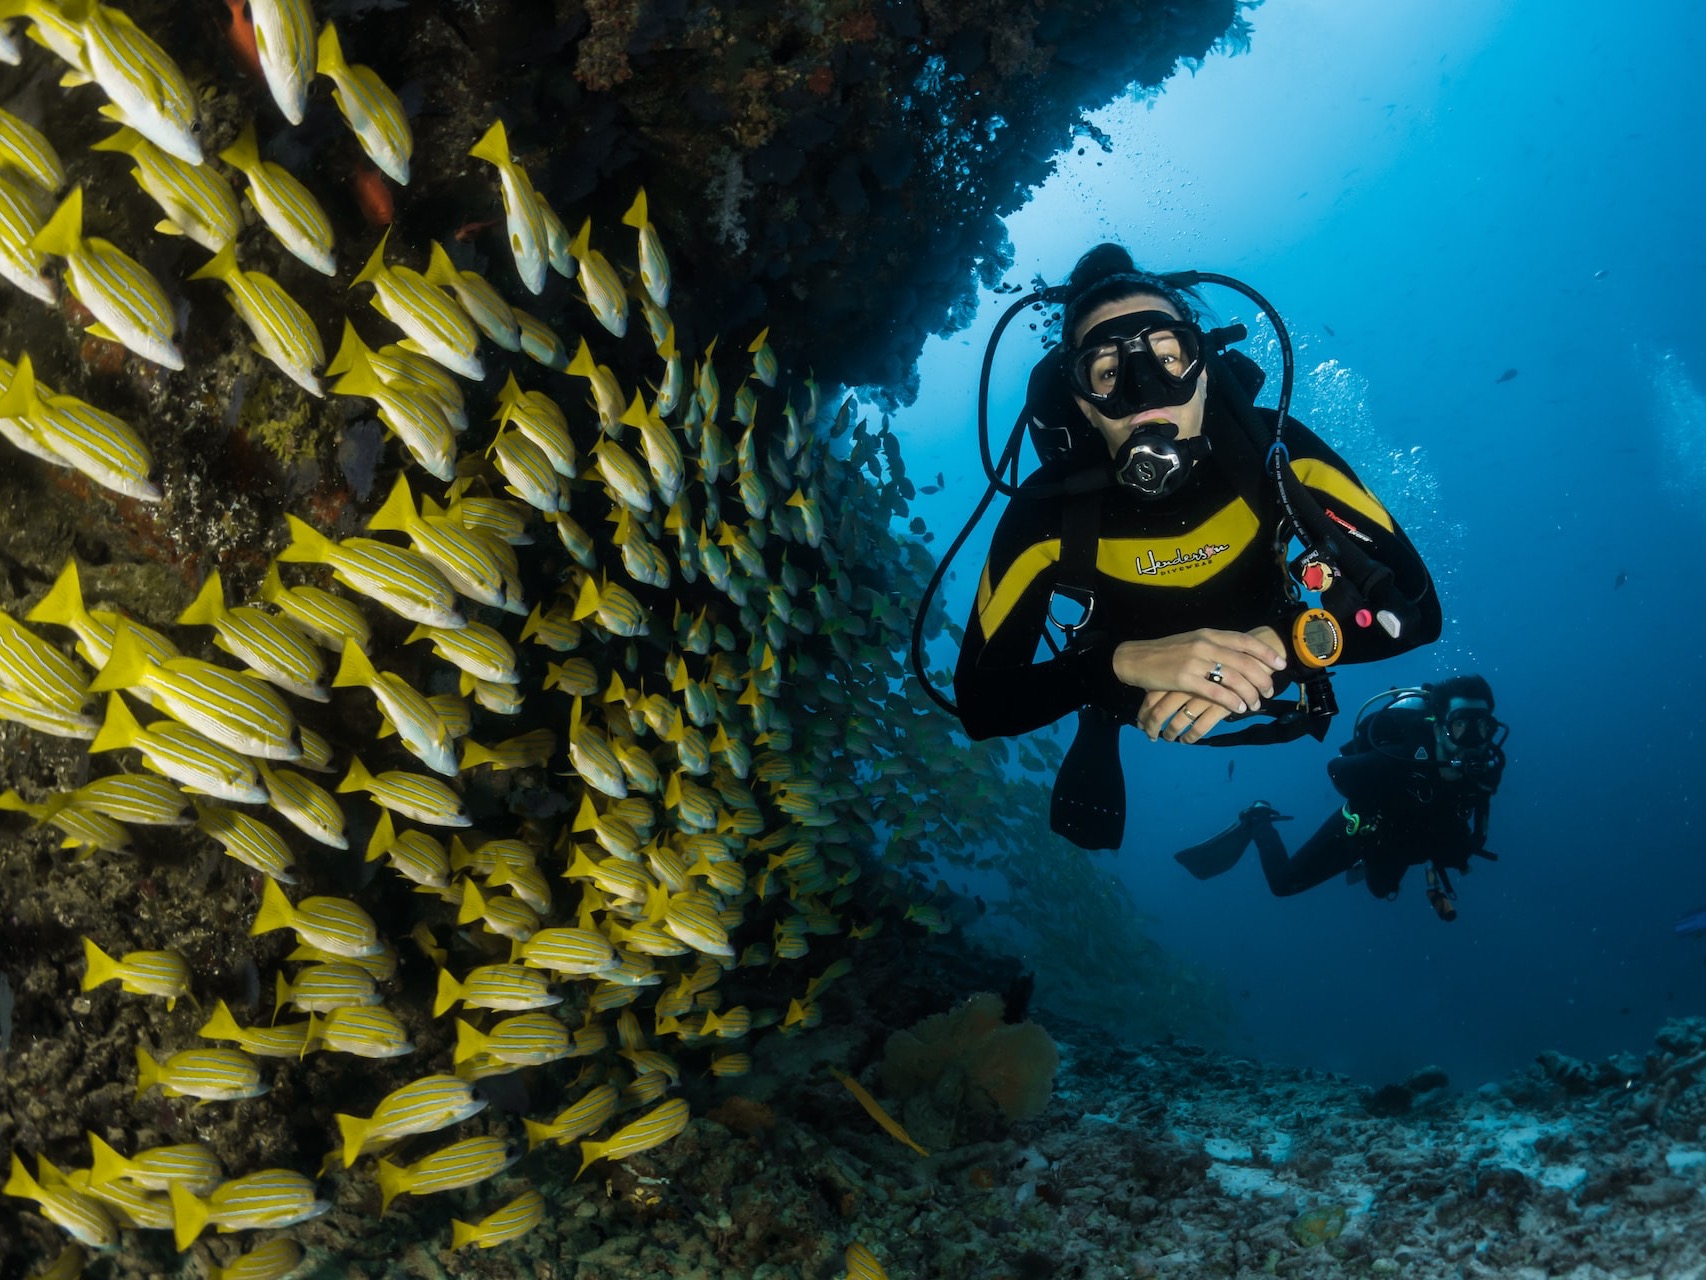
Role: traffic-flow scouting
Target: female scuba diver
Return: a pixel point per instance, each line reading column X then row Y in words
column 1417, row 776
column 1156, row 538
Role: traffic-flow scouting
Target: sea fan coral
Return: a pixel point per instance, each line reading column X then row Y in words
column 959, row 1071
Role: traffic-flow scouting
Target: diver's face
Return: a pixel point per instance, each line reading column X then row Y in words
column 1187, row 417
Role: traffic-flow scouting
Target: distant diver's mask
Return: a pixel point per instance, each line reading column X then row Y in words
column 1133, row 363
column 1473, row 736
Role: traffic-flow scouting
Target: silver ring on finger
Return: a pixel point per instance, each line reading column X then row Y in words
column 1216, row 675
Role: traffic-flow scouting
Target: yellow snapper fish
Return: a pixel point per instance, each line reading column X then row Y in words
column 599, row 285
column 84, row 831
column 145, row 87
column 539, row 341
column 283, row 332
column 495, row 986
column 322, row 987
column 132, row 797
column 269, row 1199
column 590, row 1113
column 186, row 757
column 516, row 1218
column 409, row 410
column 481, row 651
column 669, row 390
column 31, row 666
column 284, row 41
column 435, row 323
column 128, row 304
column 248, row 840
column 522, row 215
column 416, row 720
column 69, row 432
column 862, row 1264
column 331, row 619
column 374, row 1032
column 26, row 149
column 333, row 924
column 606, row 391
column 156, row 1168
column 273, row 1260
column 306, row 805
column 484, row 305
column 402, row 580
column 663, row 454
column 196, row 199
column 502, row 914
column 461, row 1164
column 148, row 973
column 373, row 113
column 288, row 208
column 541, row 420
column 272, row 647
column 417, row 856
column 20, row 223
column 81, row 1216
column 232, row 710
column 656, row 1127
column 414, row 795
column 467, row 561
column 528, row 472
column 422, row 1106
column 764, row 366
column 261, row 1042
column 212, row 1075
column 654, row 264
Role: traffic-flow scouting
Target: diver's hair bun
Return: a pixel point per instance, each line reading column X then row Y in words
column 1106, row 259
column 1107, row 272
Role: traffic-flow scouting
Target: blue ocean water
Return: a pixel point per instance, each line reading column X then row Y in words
column 1434, row 193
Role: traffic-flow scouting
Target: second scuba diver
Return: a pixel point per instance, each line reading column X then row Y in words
column 1156, row 539
column 1417, row 776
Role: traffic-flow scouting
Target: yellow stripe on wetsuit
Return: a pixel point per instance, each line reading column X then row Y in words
column 1326, row 479
column 1132, row 559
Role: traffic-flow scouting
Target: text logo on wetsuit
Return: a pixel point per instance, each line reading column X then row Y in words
column 1149, row 566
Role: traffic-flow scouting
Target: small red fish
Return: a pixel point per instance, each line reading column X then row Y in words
column 241, row 34
column 373, row 194
column 468, row 230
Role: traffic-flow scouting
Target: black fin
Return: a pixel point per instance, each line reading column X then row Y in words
column 1218, row 854
column 1088, row 805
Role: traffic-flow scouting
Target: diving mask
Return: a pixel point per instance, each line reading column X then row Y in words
column 1474, row 736
column 1146, row 360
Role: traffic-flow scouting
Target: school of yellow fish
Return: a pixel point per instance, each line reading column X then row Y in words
column 737, row 736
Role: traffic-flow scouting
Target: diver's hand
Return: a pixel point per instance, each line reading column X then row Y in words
column 1181, row 701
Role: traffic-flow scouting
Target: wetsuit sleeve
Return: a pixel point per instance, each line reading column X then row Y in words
column 1000, row 683
column 1360, row 518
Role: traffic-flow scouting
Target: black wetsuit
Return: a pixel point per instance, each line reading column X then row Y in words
column 1398, row 814
column 1202, row 557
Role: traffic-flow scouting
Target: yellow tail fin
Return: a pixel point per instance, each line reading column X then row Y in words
column 63, row 603
column 127, row 664
column 63, row 233
column 307, row 544
column 222, row 266
column 376, row 260
column 119, row 730
column 358, row 778
column 101, row 966
column 398, row 511
column 209, row 605
column 275, row 910
column 243, row 154
column 493, row 146
column 355, row 669
column 636, row 215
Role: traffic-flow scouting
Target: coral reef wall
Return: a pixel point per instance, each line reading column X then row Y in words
column 837, row 167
